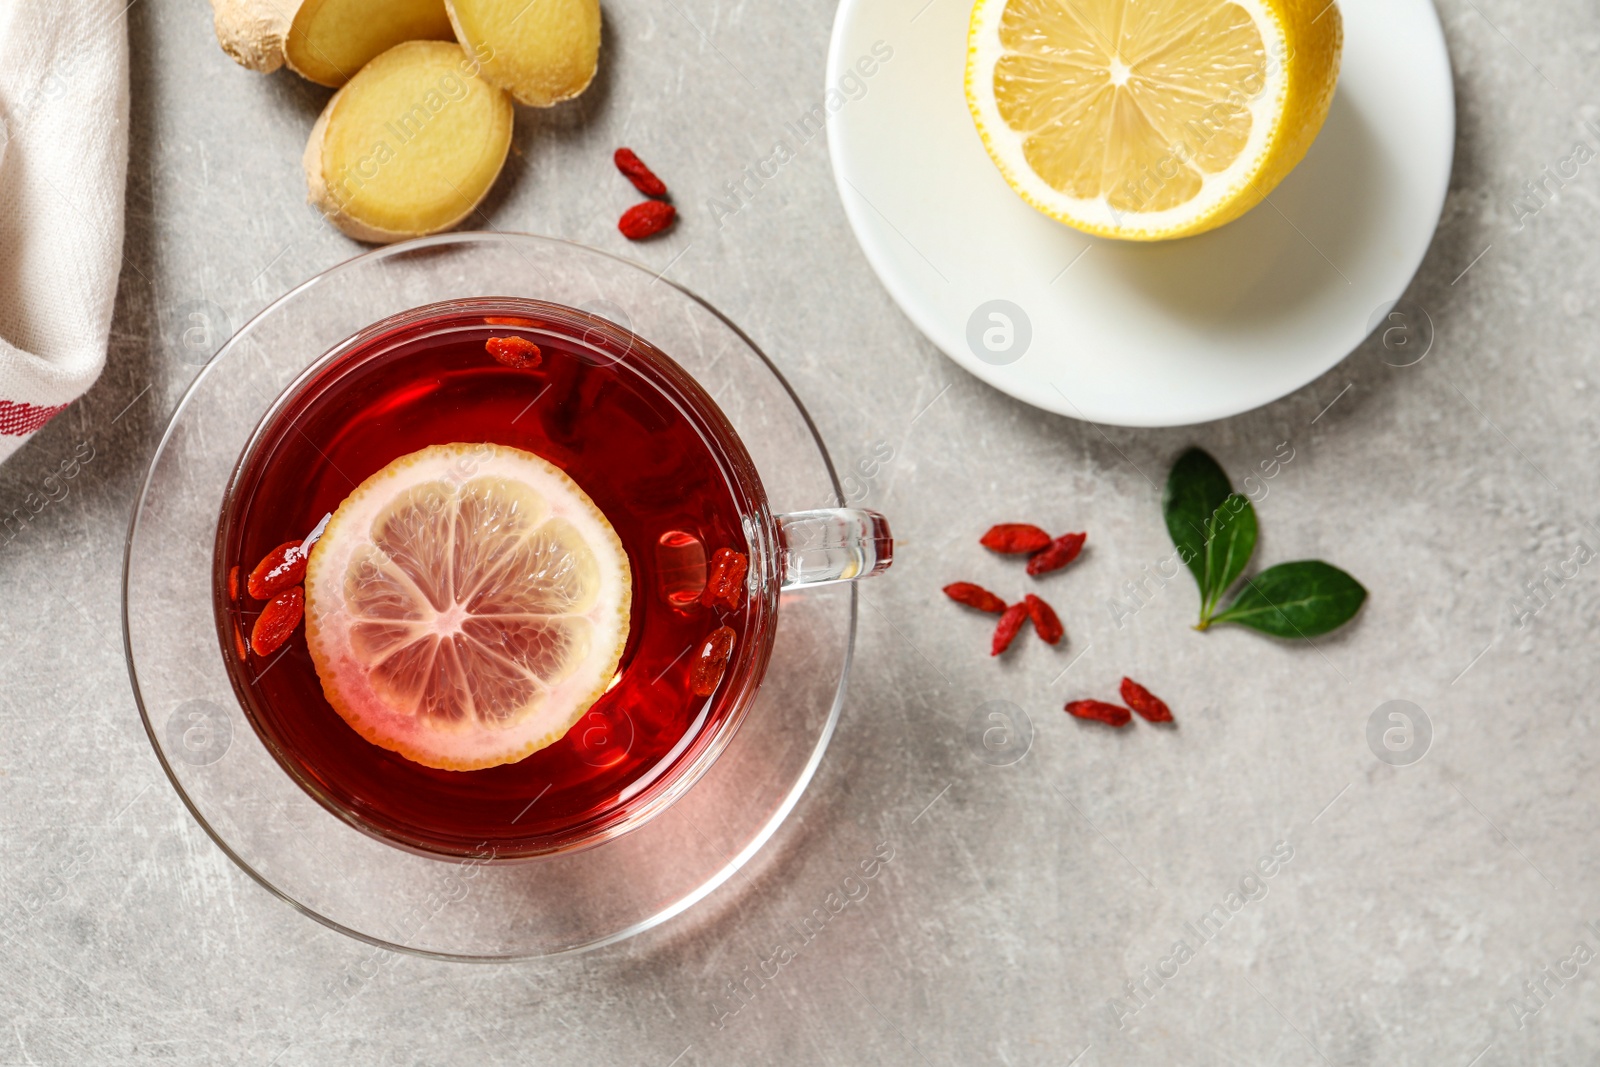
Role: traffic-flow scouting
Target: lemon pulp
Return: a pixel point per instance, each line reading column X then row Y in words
column 1149, row 119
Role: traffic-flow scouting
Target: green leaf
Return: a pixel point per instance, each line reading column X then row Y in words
column 1230, row 541
column 1196, row 488
column 1301, row 599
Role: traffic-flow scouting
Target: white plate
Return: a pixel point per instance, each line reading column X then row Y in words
column 1134, row 334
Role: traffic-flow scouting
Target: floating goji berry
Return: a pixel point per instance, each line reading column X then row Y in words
column 975, row 596
column 238, row 643
column 1012, row 538
column 711, row 662
column 233, row 582
column 282, row 567
column 646, row 219
column 1005, row 630
column 1100, row 711
column 1045, row 620
column 1057, row 554
column 1146, row 703
column 643, row 178
column 726, row 580
column 277, row 621
column 518, row 353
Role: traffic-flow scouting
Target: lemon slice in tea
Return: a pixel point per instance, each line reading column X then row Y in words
column 1150, row 119
column 466, row 605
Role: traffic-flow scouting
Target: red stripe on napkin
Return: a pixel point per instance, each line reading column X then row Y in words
column 17, row 420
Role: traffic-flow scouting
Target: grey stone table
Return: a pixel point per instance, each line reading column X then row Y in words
column 1432, row 913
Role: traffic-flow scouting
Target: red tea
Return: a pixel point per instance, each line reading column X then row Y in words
column 648, row 447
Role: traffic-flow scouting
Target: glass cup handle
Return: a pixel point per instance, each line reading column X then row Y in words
column 833, row 545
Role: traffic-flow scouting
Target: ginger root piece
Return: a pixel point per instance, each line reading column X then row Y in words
column 253, row 31
column 326, row 41
column 540, row 51
column 409, row 146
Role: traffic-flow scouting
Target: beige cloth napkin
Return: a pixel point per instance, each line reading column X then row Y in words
column 63, row 161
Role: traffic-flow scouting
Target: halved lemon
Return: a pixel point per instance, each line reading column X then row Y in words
column 1150, row 119
column 466, row 605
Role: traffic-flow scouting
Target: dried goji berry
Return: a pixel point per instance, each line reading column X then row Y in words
column 1145, row 702
column 277, row 621
column 512, row 320
column 711, row 662
column 1006, row 629
column 233, row 582
column 518, row 353
column 975, row 596
column 282, row 567
column 1100, row 711
column 1013, row 538
column 1057, row 554
column 238, row 643
column 1045, row 620
column 646, row 219
column 642, row 177
column 726, row 580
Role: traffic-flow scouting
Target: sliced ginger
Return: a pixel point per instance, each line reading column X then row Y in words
column 330, row 40
column 409, row 146
column 326, row 41
column 541, row 51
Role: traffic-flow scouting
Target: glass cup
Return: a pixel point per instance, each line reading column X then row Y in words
column 301, row 851
column 319, row 437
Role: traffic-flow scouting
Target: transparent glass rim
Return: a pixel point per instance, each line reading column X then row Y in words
column 675, row 908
